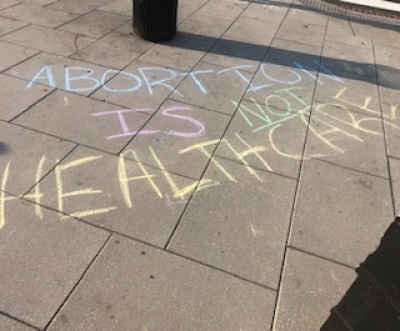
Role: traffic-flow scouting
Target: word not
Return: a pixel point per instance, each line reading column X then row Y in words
column 167, row 112
column 145, row 77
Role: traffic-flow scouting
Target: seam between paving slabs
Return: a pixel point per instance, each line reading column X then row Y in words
column 76, row 219
column 296, row 196
column 384, row 134
column 79, row 280
column 166, row 247
column 321, row 257
column 18, row 320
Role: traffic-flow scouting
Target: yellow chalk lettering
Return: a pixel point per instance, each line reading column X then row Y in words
column 201, row 148
column 364, row 106
column 38, row 195
column 3, row 198
column 333, row 130
column 287, row 155
column 88, row 191
column 124, row 179
column 355, row 124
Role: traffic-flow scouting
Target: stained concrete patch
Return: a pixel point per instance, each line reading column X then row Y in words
column 341, row 214
column 132, row 279
column 53, row 252
column 248, row 242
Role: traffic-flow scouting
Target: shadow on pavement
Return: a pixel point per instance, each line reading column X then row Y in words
column 3, row 148
column 387, row 76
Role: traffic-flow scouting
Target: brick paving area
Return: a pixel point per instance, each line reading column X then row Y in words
column 229, row 179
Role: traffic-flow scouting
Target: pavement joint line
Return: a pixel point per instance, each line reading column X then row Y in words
column 394, row 157
column 16, row 4
column 321, row 257
column 332, row 163
column 18, row 320
column 17, row 29
column 32, row 105
column 176, row 88
column 113, row 232
column 79, row 281
column 20, row 62
column 256, row 168
column 297, row 192
column 175, row 230
column 74, row 19
column 391, row 186
column 56, row 164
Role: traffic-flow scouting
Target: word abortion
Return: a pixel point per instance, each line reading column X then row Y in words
column 144, row 77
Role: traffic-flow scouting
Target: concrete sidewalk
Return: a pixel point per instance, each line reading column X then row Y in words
column 230, row 179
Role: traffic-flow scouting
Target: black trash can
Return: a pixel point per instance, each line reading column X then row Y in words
column 373, row 301
column 155, row 20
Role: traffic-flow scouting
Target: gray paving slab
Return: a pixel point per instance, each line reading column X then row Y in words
column 346, row 138
column 30, row 156
column 340, row 214
column 8, row 3
column 61, row 72
column 310, row 288
column 10, row 100
column 132, row 278
column 287, row 52
column 77, row 7
column 212, row 87
column 13, row 54
column 120, row 7
column 268, row 138
column 43, row 257
column 230, row 10
column 341, row 31
column 252, row 31
column 39, row 15
column 395, row 179
column 115, row 50
column 353, row 59
column 8, row 25
column 248, row 242
column 53, row 41
column 9, row 324
column 306, row 15
column 302, row 33
column 78, row 119
column 95, row 24
column 141, row 85
column 275, row 12
column 131, row 198
column 205, row 25
column 178, row 129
